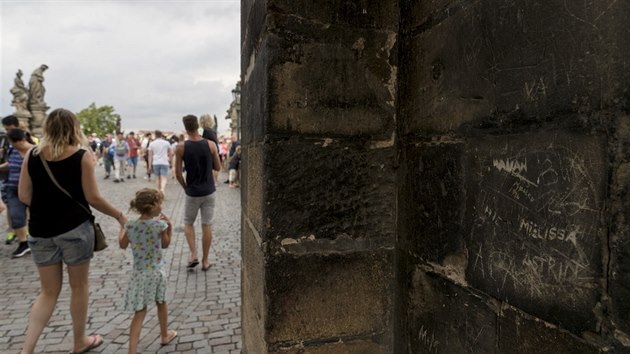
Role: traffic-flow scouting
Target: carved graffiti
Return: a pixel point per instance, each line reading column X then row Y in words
column 535, row 231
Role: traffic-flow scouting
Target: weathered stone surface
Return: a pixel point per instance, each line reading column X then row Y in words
column 254, row 101
column 382, row 14
column 503, row 191
column 253, row 287
column 471, row 60
column 348, row 347
column 334, row 189
column 431, row 212
column 521, row 334
column 331, row 81
column 441, row 86
column 534, row 222
column 441, row 317
column 329, row 297
column 253, row 185
column 619, row 271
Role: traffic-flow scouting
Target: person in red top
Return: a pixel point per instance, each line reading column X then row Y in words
column 134, row 145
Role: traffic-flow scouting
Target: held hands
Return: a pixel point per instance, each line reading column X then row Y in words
column 122, row 219
column 165, row 219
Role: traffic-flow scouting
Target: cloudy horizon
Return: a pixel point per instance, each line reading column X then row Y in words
column 153, row 61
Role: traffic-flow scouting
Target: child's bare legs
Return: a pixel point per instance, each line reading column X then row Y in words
column 166, row 335
column 136, row 328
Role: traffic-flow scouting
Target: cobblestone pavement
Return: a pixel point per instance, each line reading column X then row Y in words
column 204, row 307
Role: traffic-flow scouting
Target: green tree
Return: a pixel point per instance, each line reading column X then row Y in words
column 99, row 120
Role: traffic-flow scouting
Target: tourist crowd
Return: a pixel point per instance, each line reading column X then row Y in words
column 48, row 185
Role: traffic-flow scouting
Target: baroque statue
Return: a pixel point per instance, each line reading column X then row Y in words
column 20, row 95
column 36, row 87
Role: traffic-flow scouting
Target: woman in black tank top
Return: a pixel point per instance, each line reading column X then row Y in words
column 61, row 230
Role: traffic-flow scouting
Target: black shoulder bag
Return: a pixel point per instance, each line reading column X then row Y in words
column 100, row 243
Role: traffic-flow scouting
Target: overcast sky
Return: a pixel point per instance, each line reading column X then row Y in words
column 154, row 61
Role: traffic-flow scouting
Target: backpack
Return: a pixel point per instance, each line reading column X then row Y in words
column 121, row 149
column 110, row 151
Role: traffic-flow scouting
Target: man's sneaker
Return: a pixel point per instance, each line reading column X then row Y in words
column 21, row 250
column 116, row 180
column 128, row 176
column 10, row 237
column 122, row 179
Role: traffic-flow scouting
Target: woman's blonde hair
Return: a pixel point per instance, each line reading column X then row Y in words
column 206, row 122
column 61, row 128
column 146, row 200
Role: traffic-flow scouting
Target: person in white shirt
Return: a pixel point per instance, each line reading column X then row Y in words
column 160, row 155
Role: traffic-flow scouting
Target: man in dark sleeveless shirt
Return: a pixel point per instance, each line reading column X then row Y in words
column 200, row 156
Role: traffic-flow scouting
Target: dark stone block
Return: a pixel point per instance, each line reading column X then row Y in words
column 345, row 347
column 431, row 212
column 619, row 268
column 468, row 61
column 333, row 189
column 255, row 97
column 522, row 334
column 331, row 82
column 253, row 16
column 437, row 316
column 381, row 14
column 253, row 279
column 252, row 178
column 329, row 297
column 534, row 220
column 442, row 85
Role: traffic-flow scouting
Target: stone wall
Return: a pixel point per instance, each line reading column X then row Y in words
column 436, row 176
column 319, row 92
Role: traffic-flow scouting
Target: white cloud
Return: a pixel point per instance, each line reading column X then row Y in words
column 154, row 61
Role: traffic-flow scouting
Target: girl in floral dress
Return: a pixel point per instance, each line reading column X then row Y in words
column 147, row 235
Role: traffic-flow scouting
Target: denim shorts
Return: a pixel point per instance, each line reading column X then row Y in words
column 192, row 205
column 160, row 170
column 133, row 160
column 17, row 209
column 73, row 247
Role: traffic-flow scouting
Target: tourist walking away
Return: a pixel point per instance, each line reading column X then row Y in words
column 207, row 123
column 223, row 150
column 144, row 150
column 234, row 143
column 8, row 123
column 17, row 209
column 160, row 159
column 121, row 154
column 134, row 146
column 107, row 151
column 200, row 157
column 147, row 235
column 235, row 164
column 61, row 228
column 174, row 140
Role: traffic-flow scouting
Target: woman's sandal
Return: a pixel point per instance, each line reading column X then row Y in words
column 172, row 335
column 96, row 341
column 192, row 264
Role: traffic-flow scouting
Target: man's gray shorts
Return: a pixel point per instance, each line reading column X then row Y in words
column 204, row 204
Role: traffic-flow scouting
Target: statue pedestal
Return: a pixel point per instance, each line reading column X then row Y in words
column 25, row 118
column 37, row 121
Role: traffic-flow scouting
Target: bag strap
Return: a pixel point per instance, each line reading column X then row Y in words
column 52, row 178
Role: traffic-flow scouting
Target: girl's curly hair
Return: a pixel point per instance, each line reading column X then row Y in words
column 146, row 200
